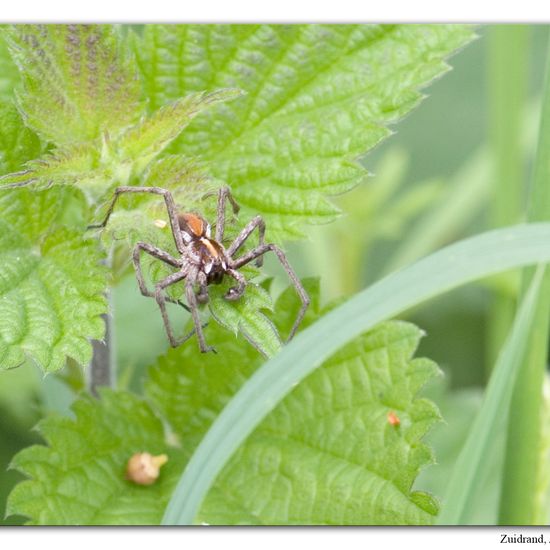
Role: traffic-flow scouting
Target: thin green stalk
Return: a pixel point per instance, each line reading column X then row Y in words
column 508, row 72
column 517, row 506
column 474, row 462
column 455, row 265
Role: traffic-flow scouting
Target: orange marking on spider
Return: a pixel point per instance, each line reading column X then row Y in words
column 192, row 222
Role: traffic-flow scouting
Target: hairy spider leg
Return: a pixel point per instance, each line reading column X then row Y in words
column 192, row 301
column 159, row 255
column 260, row 251
column 202, row 294
column 170, row 207
column 161, row 299
column 234, row 293
column 224, row 194
column 255, row 222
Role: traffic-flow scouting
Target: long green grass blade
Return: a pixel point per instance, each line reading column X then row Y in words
column 508, row 53
column 455, row 265
column 474, row 461
column 522, row 457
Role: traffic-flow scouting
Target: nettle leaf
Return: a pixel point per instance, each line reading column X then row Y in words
column 9, row 75
column 74, row 165
column 146, row 140
column 18, row 143
column 51, row 282
column 96, row 166
column 245, row 316
column 318, row 97
column 78, row 81
column 79, row 479
column 326, row 454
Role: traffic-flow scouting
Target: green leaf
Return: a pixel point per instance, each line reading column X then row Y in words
column 147, row 139
column 98, row 165
column 9, row 75
column 78, row 81
column 18, row 144
column 318, row 97
column 79, row 478
column 245, row 316
column 51, row 282
column 335, row 421
column 74, row 165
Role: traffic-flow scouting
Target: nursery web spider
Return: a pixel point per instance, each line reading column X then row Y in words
column 203, row 260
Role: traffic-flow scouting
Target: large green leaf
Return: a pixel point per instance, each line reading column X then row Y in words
column 96, row 166
column 327, row 454
column 51, row 282
column 318, row 97
column 310, row 108
column 79, row 478
column 146, row 140
column 78, row 80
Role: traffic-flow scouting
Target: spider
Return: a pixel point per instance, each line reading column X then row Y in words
column 203, row 260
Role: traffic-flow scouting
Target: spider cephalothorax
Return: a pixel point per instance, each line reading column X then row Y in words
column 203, row 259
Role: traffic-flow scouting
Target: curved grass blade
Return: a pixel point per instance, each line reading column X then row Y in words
column 455, row 265
column 474, row 460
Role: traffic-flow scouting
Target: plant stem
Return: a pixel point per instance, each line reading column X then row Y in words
column 517, row 505
column 508, row 71
column 102, row 364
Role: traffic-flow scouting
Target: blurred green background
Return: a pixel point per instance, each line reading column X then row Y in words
column 433, row 182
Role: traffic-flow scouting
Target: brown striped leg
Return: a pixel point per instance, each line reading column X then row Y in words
column 202, row 296
column 260, row 251
column 161, row 299
column 256, row 222
column 170, row 207
column 234, row 293
column 160, row 255
column 224, row 195
column 192, row 302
